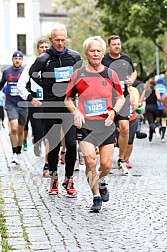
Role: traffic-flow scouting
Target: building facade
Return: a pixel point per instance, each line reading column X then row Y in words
column 22, row 22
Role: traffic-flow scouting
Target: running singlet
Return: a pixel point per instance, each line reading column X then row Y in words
column 11, row 76
column 95, row 91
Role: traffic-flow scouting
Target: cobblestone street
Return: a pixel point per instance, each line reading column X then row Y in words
column 134, row 220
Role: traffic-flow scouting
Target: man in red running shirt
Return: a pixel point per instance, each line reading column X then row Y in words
column 95, row 85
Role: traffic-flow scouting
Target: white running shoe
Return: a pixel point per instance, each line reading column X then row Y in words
column 163, row 140
column 15, row 160
column 76, row 167
column 122, row 167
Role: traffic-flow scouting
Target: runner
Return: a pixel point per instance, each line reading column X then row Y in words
column 52, row 71
column 95, row 114
column 17, row 115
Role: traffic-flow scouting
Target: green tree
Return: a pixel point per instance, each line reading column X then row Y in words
column 141, row 25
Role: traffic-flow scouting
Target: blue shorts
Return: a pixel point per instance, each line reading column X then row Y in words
column 17, row 113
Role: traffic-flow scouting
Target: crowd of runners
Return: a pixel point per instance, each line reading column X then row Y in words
column 80, row 110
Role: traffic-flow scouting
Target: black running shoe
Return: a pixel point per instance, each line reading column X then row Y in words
column 97, row 204
column 104, row 192
column 141, row 135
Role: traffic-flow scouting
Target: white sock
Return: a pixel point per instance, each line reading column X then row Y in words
column 96, row 195
column 102, row 180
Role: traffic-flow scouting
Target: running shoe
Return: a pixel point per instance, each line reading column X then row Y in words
column 128, row 164
column 141, row 135
column 163, row 140
column 122, row 167
column 68, row 184
column 25, row 146
column 76, row 167
column 53, row 187
column 62, row 157
column 104, row 192
column 97, row 204
column 15, row 160
column 46, row 171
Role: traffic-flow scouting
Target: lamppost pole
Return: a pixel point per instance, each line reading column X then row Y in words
column 157, row 61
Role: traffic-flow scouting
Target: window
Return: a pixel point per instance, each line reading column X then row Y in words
column 20, row 9
column 21, row 43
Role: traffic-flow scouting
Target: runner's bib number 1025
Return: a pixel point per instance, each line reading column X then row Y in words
column 95, row 107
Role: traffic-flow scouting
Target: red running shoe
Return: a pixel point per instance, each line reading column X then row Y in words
column 68, row 184
column 53, row 187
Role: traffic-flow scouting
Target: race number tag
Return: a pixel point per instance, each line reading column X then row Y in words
column 39, row 93
column 123, row 85
column 13, row 91
column 95, row 107
column 131, row 110
column 63, row 73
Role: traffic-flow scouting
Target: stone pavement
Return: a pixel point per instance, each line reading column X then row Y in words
column 134, row 220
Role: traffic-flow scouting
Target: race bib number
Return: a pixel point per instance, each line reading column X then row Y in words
column 13, row 91
column 63, row 73
column 39, row 94
column 123, row 85
column 131, row 110
column 95, row 107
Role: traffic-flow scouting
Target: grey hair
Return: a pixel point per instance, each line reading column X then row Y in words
column 58, row 27
column 89, row 40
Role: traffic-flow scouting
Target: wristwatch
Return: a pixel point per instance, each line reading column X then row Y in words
column 116, row 112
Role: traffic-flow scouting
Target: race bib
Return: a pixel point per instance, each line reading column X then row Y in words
column 13, row 91
column 123, row 85
column 95, row 107
column 131, row 110
column 39, row 94
column 63, row 73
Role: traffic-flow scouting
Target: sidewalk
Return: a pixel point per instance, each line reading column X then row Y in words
column 135, row 218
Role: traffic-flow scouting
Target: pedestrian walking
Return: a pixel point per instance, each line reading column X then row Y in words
column 95, row 86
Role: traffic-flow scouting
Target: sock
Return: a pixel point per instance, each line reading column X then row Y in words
column 46, row 166
column 96, row 195
column 14, row 149
column 102, row 180
column 53, row 175
column 19, row 149
column 163, row 129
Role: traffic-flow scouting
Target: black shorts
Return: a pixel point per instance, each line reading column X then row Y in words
column 124, row 113
column 132, row 130
column 95, row 132
column 161, row 114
